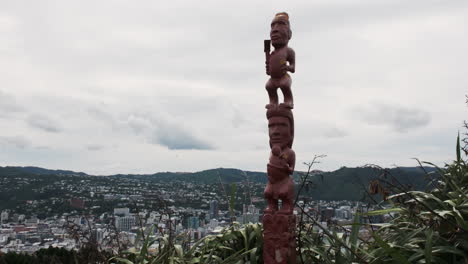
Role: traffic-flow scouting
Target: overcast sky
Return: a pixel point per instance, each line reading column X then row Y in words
column 110, row 87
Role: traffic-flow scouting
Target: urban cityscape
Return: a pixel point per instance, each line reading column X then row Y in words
column 55, row 207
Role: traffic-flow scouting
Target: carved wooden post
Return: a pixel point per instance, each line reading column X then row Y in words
column 279, row 223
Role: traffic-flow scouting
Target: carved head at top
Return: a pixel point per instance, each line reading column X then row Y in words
column 280, row 32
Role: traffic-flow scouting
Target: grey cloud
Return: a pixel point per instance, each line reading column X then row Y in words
column 321, row 129
column 197, row 57
column 42, row 148
column 237, row 119
column 334, row 132
column 163, row 131
column 101, row 112
column 186, row 62
column 8, row 104
column 16, row 141
column 138, row 123
column 94, row 147
column 400, row 118
column 44, row 123
column 177, row 138
column 174, row 136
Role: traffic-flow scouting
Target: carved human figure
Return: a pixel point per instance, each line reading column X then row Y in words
column 281, row 61
column 282, row 161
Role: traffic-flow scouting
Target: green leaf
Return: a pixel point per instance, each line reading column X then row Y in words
column 194, row 260
column 386, row 247
column 179, row 250
column 354, row 231
column 383, row 211
column 146, row 244
column 340, row 259
column 126, row 261
column 428, row 249
column 448, row 249
column 194, row 247
column 253, row 256
column 458, row 149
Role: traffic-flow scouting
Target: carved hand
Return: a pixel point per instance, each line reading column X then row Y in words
column 267, row 67
column 287, row 68
column 284, row 163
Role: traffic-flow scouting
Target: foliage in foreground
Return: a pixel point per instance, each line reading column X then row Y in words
column 427, row 227
column 235, row 244
column 43, row 256
column 432, row 227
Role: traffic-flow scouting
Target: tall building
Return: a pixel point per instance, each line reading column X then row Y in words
column 250, row 214
column 193, row 222
column 98, row 235
column 4, row 216
column 124, row 223
column 343, row 212
column 214, row 209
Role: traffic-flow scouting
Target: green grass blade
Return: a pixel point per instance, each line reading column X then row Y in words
column 383, row 211
column 458, row 149
column 428, row 249
column 385, row 246
column 354, row 232
column 126, row 261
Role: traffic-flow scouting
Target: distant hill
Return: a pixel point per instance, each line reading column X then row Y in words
column 41, row 171
column 227, row 175
column 206, row 176
column 351, row 183
column 342, row 184
column 11, row 171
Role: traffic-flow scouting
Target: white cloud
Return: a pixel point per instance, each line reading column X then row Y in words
column 43, row 123
column 15, row 141
column 95, row 147
column 8, row 105
column 400, row 118
column 184, row 81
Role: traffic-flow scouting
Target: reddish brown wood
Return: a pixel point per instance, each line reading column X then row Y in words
column 278, row 219
column 279, row 240
column 281, row 61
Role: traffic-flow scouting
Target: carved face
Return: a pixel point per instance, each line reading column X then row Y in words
column 280, row 32
column 279, row 131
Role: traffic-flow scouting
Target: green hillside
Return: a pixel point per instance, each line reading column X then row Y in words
column 351, row 183
column 343, row 184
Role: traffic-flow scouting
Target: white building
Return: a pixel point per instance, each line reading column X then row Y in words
column 124, row 223
column 4, row 216
column 122, row 211
column 250, row 214
column 343, row 212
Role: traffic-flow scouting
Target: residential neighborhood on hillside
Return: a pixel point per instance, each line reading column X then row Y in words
column 43, row 210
